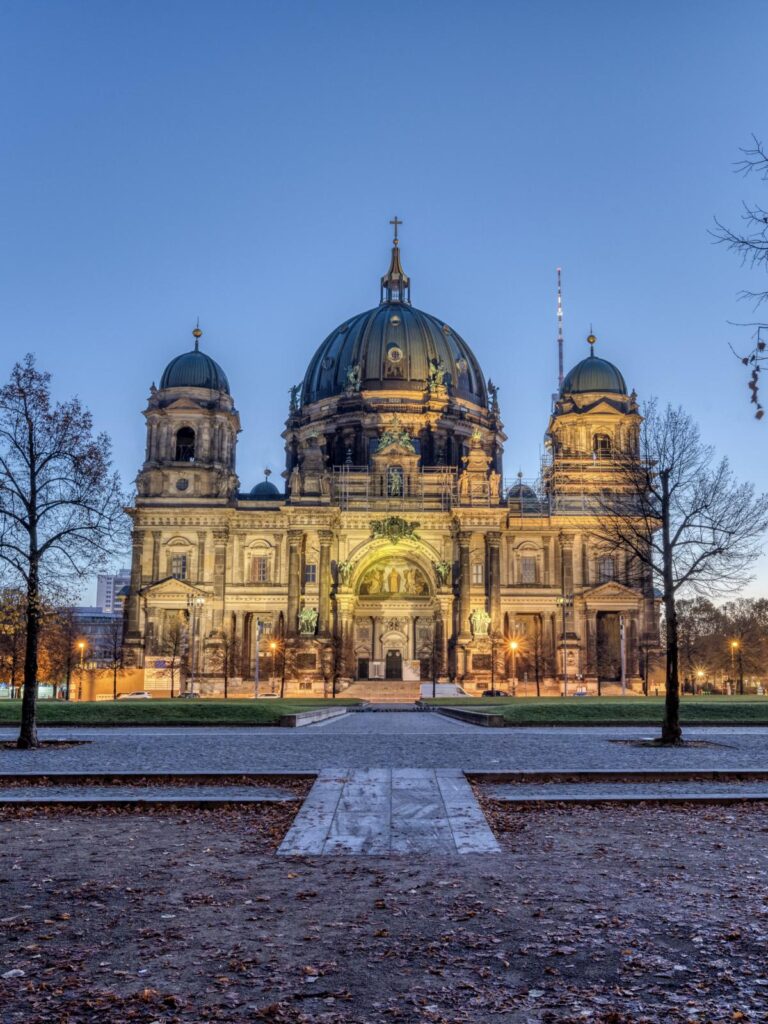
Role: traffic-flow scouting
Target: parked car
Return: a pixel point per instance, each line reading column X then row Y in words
column 188, row 695
column 495, row 693
column 135, row 695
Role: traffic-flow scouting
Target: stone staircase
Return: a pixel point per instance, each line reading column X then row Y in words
column 380, row 691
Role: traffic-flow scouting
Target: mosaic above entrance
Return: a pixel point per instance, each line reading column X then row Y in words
column 396, row 578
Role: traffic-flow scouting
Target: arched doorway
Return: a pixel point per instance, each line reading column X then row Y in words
column 393, row 620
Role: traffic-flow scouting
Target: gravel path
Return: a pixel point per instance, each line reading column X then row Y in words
column 385, row 739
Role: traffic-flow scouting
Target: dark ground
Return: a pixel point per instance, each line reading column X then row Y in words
column 597, row 914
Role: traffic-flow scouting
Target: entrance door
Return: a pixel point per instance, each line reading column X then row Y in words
column 394, row 665
column 608, row 646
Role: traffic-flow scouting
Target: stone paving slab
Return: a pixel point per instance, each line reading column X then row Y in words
column 384, row 811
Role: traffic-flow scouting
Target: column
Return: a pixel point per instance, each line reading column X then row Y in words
column 295, row 538
column 493, row 558
column 132, row 609
column 155, row 556
column 220, row 538
column 464, row 583
column 324, row 574
column 201, row 556
column 591, row 644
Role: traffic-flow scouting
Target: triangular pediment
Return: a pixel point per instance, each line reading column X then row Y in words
column 183, row 403
column 172, row 587
column 611, row 591
column 398, row 448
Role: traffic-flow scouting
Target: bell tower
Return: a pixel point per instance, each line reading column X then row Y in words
column 192, row 428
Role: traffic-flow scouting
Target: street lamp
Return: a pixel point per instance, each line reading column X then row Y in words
column 734, row 646
column 513, row 646
column 272, row 648
column 700, row 676
column 81, row 648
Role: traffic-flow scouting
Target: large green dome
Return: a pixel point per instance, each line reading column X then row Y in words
column 594, row 374
column 395, row 347
column 194, row 369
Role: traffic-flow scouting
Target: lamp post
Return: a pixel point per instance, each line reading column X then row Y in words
column 513, row 646
column 195, row 606
column 734, row 648
column 81, row 648
column 700, row 676
column 565, row 602
column 272, row 649
column 259, row 628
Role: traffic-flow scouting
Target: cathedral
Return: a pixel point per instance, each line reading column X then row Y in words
column 395, row 552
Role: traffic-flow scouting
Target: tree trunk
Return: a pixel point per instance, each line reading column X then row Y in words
column 671, row 733
column 28, row 733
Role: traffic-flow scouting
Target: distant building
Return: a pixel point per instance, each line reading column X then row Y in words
column 102, row 633
column 108, row 589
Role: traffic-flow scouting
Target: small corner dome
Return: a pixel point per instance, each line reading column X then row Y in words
column 266, row 489
column 594, row 374
column 194, row 369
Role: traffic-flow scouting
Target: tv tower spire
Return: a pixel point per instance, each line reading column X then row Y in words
column 559, row 330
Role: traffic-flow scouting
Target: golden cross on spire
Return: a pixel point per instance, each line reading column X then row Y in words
column 396, row 223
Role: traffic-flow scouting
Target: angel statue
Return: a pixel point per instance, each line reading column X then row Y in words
column 294, row 393
column 353, row 377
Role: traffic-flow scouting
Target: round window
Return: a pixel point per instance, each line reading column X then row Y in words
column 395, row 354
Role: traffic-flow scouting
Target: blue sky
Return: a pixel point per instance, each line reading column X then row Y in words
column 240, row 161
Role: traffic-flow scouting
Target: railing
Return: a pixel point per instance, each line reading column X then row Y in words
column 428, row 488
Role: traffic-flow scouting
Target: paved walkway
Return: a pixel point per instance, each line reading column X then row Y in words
column 385, row 740
column 383, row 811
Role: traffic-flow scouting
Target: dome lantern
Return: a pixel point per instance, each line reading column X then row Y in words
column 395, row 285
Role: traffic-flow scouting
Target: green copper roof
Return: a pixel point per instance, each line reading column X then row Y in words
column 194, row 370
column 594, row 374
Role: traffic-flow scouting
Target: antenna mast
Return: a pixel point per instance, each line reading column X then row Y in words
column 559, row 331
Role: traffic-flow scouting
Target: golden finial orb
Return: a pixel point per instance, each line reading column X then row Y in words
column 591, row 339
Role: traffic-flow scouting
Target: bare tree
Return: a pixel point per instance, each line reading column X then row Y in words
column 12, row 636
column 683, row 522
column 58, row 639
column 225, row 656
column 751, row 246
column 113, row 644
column 174, row 649
column 61, row 505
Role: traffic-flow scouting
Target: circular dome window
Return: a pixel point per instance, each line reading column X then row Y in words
column 395, row 354
column 395, row 320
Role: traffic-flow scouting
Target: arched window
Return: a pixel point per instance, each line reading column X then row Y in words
column 601, row 445
column 185, row 445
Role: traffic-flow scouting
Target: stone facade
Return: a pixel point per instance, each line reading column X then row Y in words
column 396, row 550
